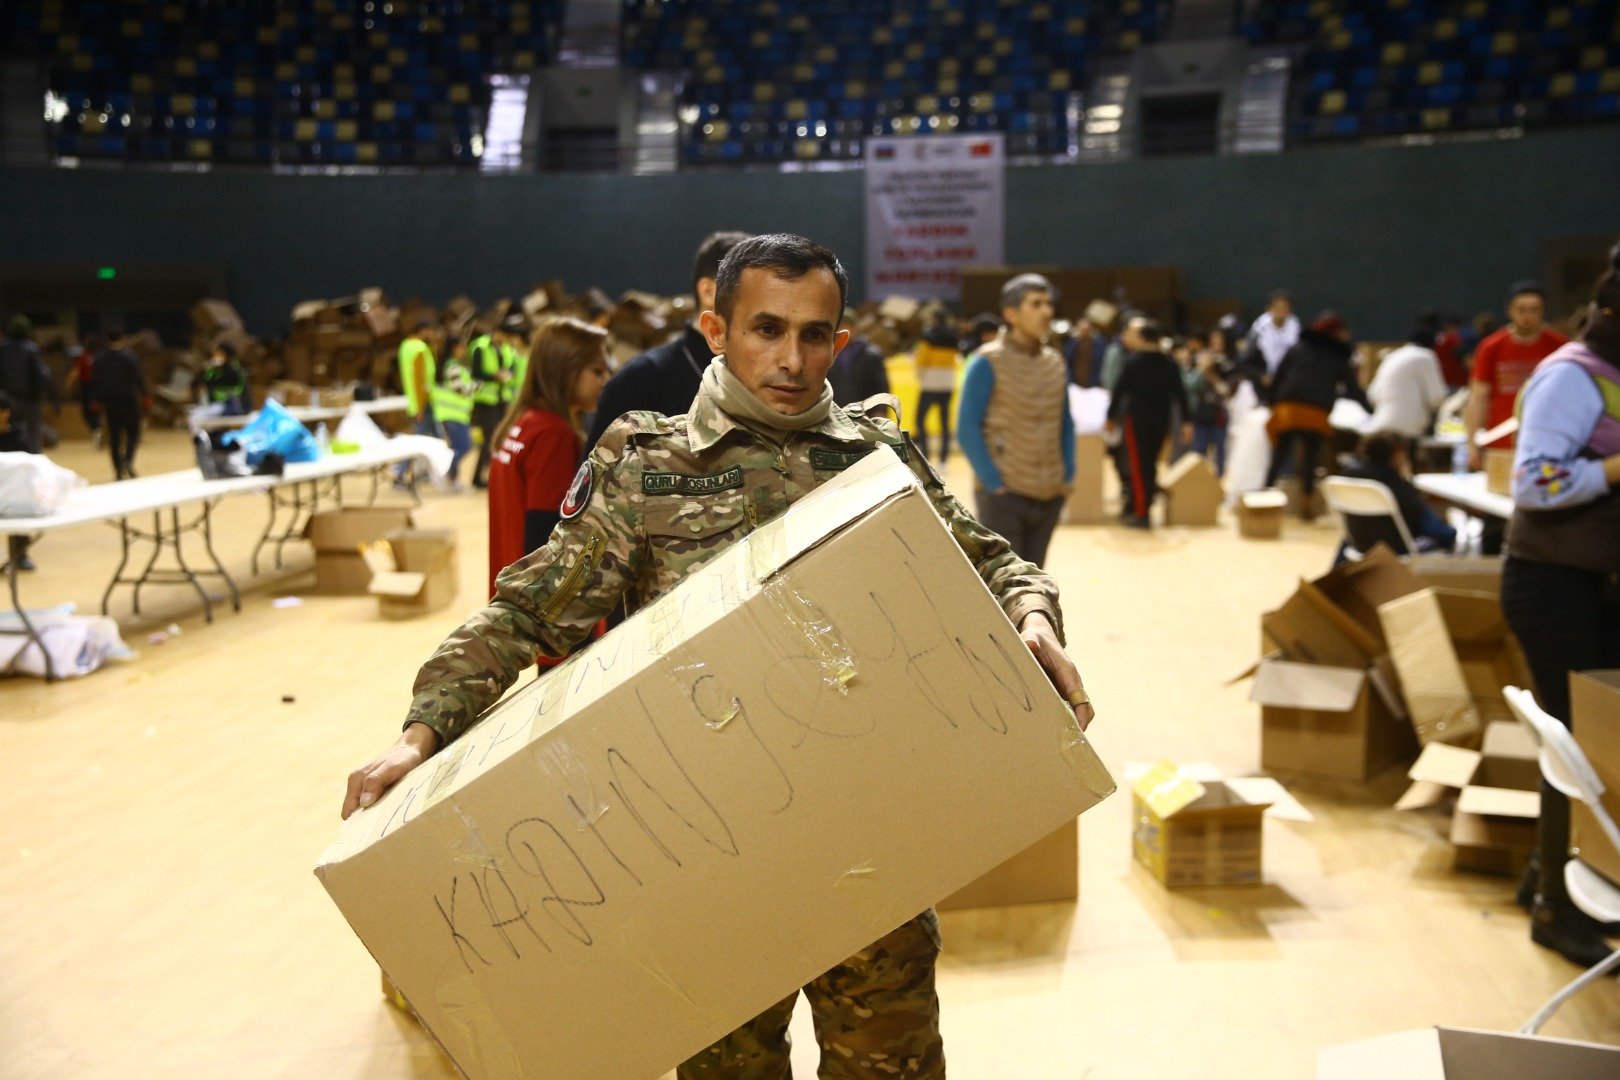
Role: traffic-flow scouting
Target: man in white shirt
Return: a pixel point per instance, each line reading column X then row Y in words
column 1408, row 387
column 1276, row 331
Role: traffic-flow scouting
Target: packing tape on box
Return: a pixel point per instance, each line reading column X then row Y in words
column 488, row 1050
column 856, row 875
column 828, row 650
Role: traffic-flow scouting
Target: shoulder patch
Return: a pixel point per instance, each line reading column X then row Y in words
column 579, row 492
column 668, row 483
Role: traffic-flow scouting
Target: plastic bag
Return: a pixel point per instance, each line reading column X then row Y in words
column 274, row 430
column 78, row 645
column 32, row 485
column 360, row 429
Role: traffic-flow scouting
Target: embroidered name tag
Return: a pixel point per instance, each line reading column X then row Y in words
column 664, row 483
column 839, row 460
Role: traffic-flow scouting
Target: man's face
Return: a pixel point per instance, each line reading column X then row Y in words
column 782, row 336
column 1526, row 312
column 1131, row 337
column 1280, row 309
column 1032, row 318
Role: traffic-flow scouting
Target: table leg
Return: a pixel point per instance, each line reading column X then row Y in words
column 123, row 561
column 157, row 549
column 15, row 546
column 185, row 570
column 207, row 526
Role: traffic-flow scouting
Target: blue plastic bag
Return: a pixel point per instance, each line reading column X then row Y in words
column 274, row 431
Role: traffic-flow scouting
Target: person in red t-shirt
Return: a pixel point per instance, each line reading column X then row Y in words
column 1448, row 346
column 542, row 440
column 1504, row 362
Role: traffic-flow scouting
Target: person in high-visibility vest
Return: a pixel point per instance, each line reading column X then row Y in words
column 514, row 348
column 225, row 381
column 452, row 401
column 485, row 362
column 417, row 375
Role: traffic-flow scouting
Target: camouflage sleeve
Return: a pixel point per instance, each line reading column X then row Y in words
column 1021, row 587
column 547, row 601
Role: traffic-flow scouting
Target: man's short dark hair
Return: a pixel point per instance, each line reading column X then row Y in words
column 1151, row 331
column 715, row 247
column 1279, row 294
column 227, row 348
column 1527, row 286
column 783, row 254
column 986, row 324
column 1013, row 293
column 6, row 402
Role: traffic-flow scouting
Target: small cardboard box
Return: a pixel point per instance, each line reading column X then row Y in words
column 1442, row 1053
column 824, row 730
column 1190, row 834
column 1493, row 827
column 1595, row 708
column 1325, row 722
column 337, row 536
column 1045, row 872
column 1260, row 514
column 1454, row 653
column 1192, row 492
column 1084, row 505
column 413, row 571
column 1499, row 471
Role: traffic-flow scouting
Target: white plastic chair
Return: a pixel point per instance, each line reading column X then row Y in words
column 1567, row 769
column 1367, row 514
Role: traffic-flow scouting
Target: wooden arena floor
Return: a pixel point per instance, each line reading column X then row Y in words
column 159, row 821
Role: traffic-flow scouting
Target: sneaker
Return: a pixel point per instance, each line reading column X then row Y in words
column 1569, row 932
column 25, row 563
column 1138, row 523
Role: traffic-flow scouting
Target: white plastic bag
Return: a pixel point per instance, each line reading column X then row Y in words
column 77, row 644
column 1248, row 451
column 1089, row 407
column 359, row 428
column 32, row 485
column 434, row 452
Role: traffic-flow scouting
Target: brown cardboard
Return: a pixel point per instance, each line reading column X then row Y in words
column 1291, row 487
column 1595, row 709
column 1461, row 1054
column 1260, row 514
column 1499, row 471
column 1327, row 722
column 337, row 535
column 1493, row 827
column 1192, row 492
column 1473, row 573
column 823, row 731
column 1189, row 834
column 1437, row 695
column 1084, row 505
column 1047, row 871
column 414, row 572
column 1360, row 588
column 340, row 573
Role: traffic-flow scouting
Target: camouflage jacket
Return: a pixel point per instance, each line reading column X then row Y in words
column 658, row 497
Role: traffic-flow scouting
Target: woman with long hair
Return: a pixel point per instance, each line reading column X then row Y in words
column 541, row 440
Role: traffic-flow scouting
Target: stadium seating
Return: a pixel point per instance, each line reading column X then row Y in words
column 800, row 80
column 1424, row 66
column 310, row 82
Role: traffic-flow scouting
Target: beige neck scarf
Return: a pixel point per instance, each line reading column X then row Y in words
column 740, row 403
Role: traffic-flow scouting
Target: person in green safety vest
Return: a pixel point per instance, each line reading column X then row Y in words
column 452, row 400
column 484, row 358
column 514, row 346
column 225, row 382
column 417, row 377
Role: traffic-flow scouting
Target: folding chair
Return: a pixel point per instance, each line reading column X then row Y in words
column 1368, row 516
column 1566, row 768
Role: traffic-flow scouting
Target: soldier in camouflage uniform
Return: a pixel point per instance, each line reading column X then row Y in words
column 658, row 498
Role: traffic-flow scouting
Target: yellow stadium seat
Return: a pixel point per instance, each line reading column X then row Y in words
column 347, row 130
column 804, row 72
column 807, row 148
column 365, row 153
column 1504, row 44
column 797, row 110
column 92, row 124
column 383, row 110
column 1394, row 53
column 1558, row 18
column 761, row 39
column 982, row 103
column 130, row 28
column 244, row 87
column 950, row 65
column 764, row 92
column 1477, row 9
column 1609, row 81
column 916, row 51
column 460, row 94
column 382, row 73
column 1040, row 13
column 1593, row 57
column 343, row 72
column 182, row 105
column 1562, row 85
column 1002, row 47
column 986, row 31
column 185, row 65
column 927, row 103
column 524, row 60
column 304, row 130
column 948, row 86
column 902, row 19
column 1130, row 39
column 398, row 57
column 1435, row 119
column 140, row 84
column 1340, row 40
column 326, row 109
column 82, row 62
column 984, row 65
column 202, row 148
column 286, row 70
column 344, row 91
column 1076, row 26
column 1429, row 72
column 827, row 54
column 208, row 50
column 894, row 69
column 883, row 35
column 304, row 54
column 378, row 39
column 1445, row 29
column 1332, row 103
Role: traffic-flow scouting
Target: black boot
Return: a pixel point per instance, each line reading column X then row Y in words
column 1569, row 932
column 1525, row 894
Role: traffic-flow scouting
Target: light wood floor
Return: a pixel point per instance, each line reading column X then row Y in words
column 159, row 821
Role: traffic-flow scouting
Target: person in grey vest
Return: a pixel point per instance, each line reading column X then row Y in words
column 1014, row 425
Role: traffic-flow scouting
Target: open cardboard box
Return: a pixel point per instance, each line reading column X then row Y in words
column 1084, row 506
column 1442, row 1053
column 1260, row 514
column 827, row 728
column 1192, row 492
column 1192, row 828
column 1595, row 708
column 413, row 571
column 1498, row 791
column 338, row 535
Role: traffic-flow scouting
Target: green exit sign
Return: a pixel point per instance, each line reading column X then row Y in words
column 107, row 273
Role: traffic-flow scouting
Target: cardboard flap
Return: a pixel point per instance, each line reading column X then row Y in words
column 1165, row 790
column 1501, row 1055
column 1424, row 793
column 1191, row 469
column 1510, row 739
column 379, row 557
column 1310, row 628
column 1283, row 684
column 397, row 583
column 1499, row 802
column 1269, row 499
column 1386, row 681
column 1472, row 616
column 1360, row 588
column 1437, row 695
column 1442, row 763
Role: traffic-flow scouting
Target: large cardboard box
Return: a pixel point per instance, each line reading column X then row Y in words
column 338, row 535
column 1045, row 872
column 1084, row 505
column 1498, row 792
column 820, row 733
column 413, row 571
column 1189, row 833
column 1192, row 492
column 1595, row 708
column 1442, row 1053
column 1326, row 722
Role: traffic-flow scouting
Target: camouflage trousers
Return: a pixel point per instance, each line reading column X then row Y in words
column 876, row 1015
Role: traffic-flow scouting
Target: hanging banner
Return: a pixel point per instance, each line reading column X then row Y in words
column 934, row 204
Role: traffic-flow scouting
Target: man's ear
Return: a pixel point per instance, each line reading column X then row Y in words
column 705, row 293
column 713, row 328
column 840, row 339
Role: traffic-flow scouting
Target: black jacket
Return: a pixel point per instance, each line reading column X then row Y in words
column 115, row 375
column 858, row 373
column 1407, row 497
column 23, row 374
column 664, row 379
column 12, row 440
column 1150, row 391
column 1317, row 372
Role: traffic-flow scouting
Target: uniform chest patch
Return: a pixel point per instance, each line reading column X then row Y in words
column 665, row 483
column 579, row 493
column 839, row 460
